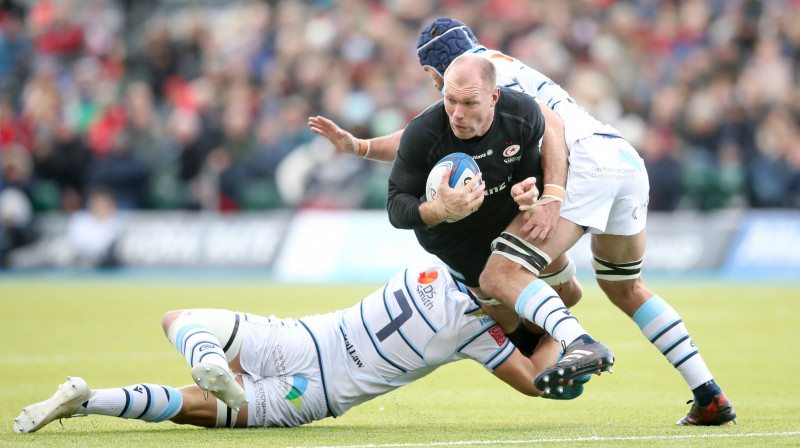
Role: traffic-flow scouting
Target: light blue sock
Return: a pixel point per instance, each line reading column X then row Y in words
column 197, row 343
column 540, row 304
column 148, row 402
column 664, row 328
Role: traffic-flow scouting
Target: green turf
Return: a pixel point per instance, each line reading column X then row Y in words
column 109, row 333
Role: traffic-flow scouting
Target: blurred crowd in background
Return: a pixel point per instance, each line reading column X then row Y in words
column 178, row 104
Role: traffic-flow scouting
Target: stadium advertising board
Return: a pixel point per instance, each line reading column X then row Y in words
column 678, row 242
column 330, row 246
column 361, row 246
column 767, row 243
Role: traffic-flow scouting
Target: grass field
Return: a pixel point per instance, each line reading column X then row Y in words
column 108, row 332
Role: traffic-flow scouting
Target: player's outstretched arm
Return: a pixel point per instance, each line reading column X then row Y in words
column 379, row 149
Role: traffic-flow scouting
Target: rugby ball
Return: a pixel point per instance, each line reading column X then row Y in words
column 462, row 169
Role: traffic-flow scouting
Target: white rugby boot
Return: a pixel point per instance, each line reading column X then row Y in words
column 63, row 404
column 220, row 382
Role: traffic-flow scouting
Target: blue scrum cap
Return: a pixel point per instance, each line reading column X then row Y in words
column 442, row 41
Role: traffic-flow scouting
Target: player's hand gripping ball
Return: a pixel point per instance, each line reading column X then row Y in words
column 462, row 169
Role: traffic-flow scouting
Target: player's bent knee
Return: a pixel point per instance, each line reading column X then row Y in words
column 168, row 318
column 515, row 249
column 493, row 285
column 520, row 251
column 488, row 284
column 224, row 324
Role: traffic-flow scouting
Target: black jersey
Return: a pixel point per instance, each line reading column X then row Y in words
column 506, row 154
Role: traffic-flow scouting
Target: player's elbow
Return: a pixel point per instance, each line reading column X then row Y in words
column 393, row 219
column 401, row 215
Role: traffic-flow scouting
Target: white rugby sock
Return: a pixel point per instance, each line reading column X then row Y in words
column 662, row 325
column 196, row 341
column 148, row 402
column 540, row 304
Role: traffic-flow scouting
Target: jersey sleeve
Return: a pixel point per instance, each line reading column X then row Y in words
column 522, row 77
column 488, row 346
column 409, row 174
column 515, row 75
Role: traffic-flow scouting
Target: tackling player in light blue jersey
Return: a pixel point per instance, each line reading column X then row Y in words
column 606, row 195
column 294, row 371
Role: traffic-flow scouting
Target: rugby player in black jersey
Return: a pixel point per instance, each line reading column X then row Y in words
column 511, row 138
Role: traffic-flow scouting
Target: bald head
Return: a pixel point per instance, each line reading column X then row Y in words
column 472, row 69
column 470, row 95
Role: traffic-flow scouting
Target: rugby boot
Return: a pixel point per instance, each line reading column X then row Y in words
column 63, row 404
column 220, row 382
column 565, row 392
column 580, row 359
column 719, row 412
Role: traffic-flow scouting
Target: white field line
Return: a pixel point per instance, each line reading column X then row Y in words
column 577, row 439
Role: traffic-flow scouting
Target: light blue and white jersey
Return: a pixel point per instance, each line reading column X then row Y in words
column 513, row 74
column 420, row 320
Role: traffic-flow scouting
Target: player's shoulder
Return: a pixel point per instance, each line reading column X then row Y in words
column 497, row 57
column 508, row 68
column 425, row 130
column 432, row 114
column 517, row 103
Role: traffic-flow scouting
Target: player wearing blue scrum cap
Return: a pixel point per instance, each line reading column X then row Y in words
column 607, row 196
column 442, row 41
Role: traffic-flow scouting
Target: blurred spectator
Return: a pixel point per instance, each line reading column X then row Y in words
column 92, row 233
column 146, row 129
column 16, row 219
column 122, row 173
column 160, row 61
column 64, row 161
column 212, row 97
column 317, row 176
column 54, row 28
column 16, row 207
column 15, row 48
column 14, row 130
column 773, row 172
column 17, row 167
column 192, row 148
column 279, row 134
column 664, row 169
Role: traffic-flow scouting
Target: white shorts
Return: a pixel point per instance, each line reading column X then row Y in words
column 282, row 379
column 607, row 187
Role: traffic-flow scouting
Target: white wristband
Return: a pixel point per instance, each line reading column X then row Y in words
column 369, row 145
column 555, row 186
column 553, row 197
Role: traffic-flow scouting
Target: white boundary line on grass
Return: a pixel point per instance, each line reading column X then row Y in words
column 577, row 439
